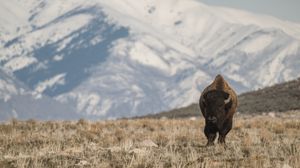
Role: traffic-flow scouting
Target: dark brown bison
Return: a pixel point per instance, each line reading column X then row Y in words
column 218, row 103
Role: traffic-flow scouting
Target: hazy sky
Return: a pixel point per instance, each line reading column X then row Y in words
column 283, row 9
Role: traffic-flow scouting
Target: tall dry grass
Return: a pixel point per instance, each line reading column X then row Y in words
column 259, row 141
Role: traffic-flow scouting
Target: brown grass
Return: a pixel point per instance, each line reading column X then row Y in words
column 260, row 141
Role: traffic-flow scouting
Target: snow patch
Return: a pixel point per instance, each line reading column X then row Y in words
column 257, row 44
column 18, row 63
column 91, row 102
column 7, row 86
column 56, row 80
column 105, row 107
column 96, row 40
column 58, row 57
column 142, row 54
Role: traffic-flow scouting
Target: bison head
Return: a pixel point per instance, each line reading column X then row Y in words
column 216, row 105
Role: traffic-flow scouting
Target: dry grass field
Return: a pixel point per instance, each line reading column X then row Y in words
column 255, row 141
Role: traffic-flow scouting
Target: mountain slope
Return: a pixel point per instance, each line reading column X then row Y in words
column 123, row 58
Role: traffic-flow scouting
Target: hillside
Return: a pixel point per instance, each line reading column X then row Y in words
column 277, row 98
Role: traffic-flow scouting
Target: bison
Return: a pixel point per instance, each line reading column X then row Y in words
column 218, row 103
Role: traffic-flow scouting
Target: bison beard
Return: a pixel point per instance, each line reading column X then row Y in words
column 218, row 103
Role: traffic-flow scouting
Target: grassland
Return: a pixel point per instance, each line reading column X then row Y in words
column 255, row 141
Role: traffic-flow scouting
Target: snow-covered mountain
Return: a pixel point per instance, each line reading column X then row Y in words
column 123, row 58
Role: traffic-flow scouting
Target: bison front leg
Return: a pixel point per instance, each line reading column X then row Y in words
column 211, row 134
column 224, row 131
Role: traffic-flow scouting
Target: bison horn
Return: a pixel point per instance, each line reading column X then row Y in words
column 227, row 100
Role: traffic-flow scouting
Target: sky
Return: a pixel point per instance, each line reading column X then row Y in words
column 283, row 9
